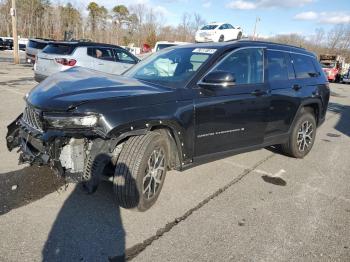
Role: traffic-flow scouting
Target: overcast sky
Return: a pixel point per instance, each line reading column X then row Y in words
column 277, row 16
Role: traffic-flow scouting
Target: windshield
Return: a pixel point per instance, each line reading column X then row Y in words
column 162, row 46
column 209, row 27
column 327, row 65
column 171, row 68
column 59, row 49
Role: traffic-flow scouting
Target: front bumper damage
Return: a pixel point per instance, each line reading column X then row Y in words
column 66, row 152
column 35, row 147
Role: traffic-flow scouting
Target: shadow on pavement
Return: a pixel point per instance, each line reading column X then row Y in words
column 343, row 125
column 88, row 227
column 18, row 81
column 20, row 187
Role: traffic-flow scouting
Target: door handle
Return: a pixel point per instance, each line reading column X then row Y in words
column 259, row 92
column 296, row 87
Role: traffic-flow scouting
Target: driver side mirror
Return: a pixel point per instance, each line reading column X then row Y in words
column 218, row 78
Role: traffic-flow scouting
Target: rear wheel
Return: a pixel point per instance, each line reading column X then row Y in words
column 140, row 171
column 239, row 36
column 302, row 136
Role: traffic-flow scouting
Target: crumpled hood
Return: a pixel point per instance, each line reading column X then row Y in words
column 78, row 85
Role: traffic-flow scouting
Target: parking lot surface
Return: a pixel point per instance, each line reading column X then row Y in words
column 257, row 206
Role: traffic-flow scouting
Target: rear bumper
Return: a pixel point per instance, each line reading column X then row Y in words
column 39, row 77
column 204, row 39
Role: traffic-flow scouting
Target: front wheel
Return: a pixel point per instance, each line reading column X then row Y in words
column 302, row 136
column 140, row 171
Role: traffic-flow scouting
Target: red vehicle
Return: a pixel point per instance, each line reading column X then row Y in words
column 332, row 66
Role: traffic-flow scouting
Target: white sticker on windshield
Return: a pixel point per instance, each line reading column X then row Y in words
column 204, row 51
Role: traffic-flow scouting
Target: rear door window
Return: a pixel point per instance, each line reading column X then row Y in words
column 291, row 72
column 101, row 53
column 303, row 66
column 277, row 65
column 59, row 49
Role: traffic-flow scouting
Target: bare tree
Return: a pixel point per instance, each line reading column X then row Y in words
column 335, row 35
column 138, row 24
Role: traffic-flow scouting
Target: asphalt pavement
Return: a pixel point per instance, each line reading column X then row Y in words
column 7, row 56
column 257, row 206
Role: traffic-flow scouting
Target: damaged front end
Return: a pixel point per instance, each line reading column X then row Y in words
column 31, row 147
column 74, row 152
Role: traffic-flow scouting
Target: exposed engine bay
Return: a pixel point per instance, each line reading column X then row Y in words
column 73, row 155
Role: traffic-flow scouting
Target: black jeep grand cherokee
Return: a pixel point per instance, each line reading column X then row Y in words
column 171, row 110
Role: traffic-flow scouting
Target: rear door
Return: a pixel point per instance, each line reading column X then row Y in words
column 284, row 96
column 233, row 117
column 291, row 77
column 231, row 32
column 223, row 31
column 103, row 59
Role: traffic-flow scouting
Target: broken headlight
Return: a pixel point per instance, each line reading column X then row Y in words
column 71, row 121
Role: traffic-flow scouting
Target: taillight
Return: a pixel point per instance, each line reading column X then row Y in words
column 66, row 62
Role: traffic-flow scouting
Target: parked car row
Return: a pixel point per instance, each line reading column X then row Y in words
column 6, row 43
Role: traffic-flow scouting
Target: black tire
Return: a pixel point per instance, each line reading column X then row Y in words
column 293, row 147
column 132, row 167
column 94, row 168
column 239, row 36
column 221, row 38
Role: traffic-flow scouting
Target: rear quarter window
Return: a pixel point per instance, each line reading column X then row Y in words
column 319, row 69
column 59, row 49
column 304, row 66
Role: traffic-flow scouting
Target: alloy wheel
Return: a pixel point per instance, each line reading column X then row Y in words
column 154, row 173
column 305, row 135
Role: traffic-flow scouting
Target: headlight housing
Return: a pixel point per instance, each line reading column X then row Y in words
column 72, row 121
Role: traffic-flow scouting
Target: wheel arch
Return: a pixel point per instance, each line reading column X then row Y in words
column 313, row 105
column 172, row 130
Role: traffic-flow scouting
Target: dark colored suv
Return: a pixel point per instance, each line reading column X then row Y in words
column 174, row 109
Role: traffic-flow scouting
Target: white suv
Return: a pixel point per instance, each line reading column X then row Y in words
column 218, row 32
column 60, row 56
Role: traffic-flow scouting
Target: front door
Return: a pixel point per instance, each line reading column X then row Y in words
column 124, row 60
column 235, row 116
